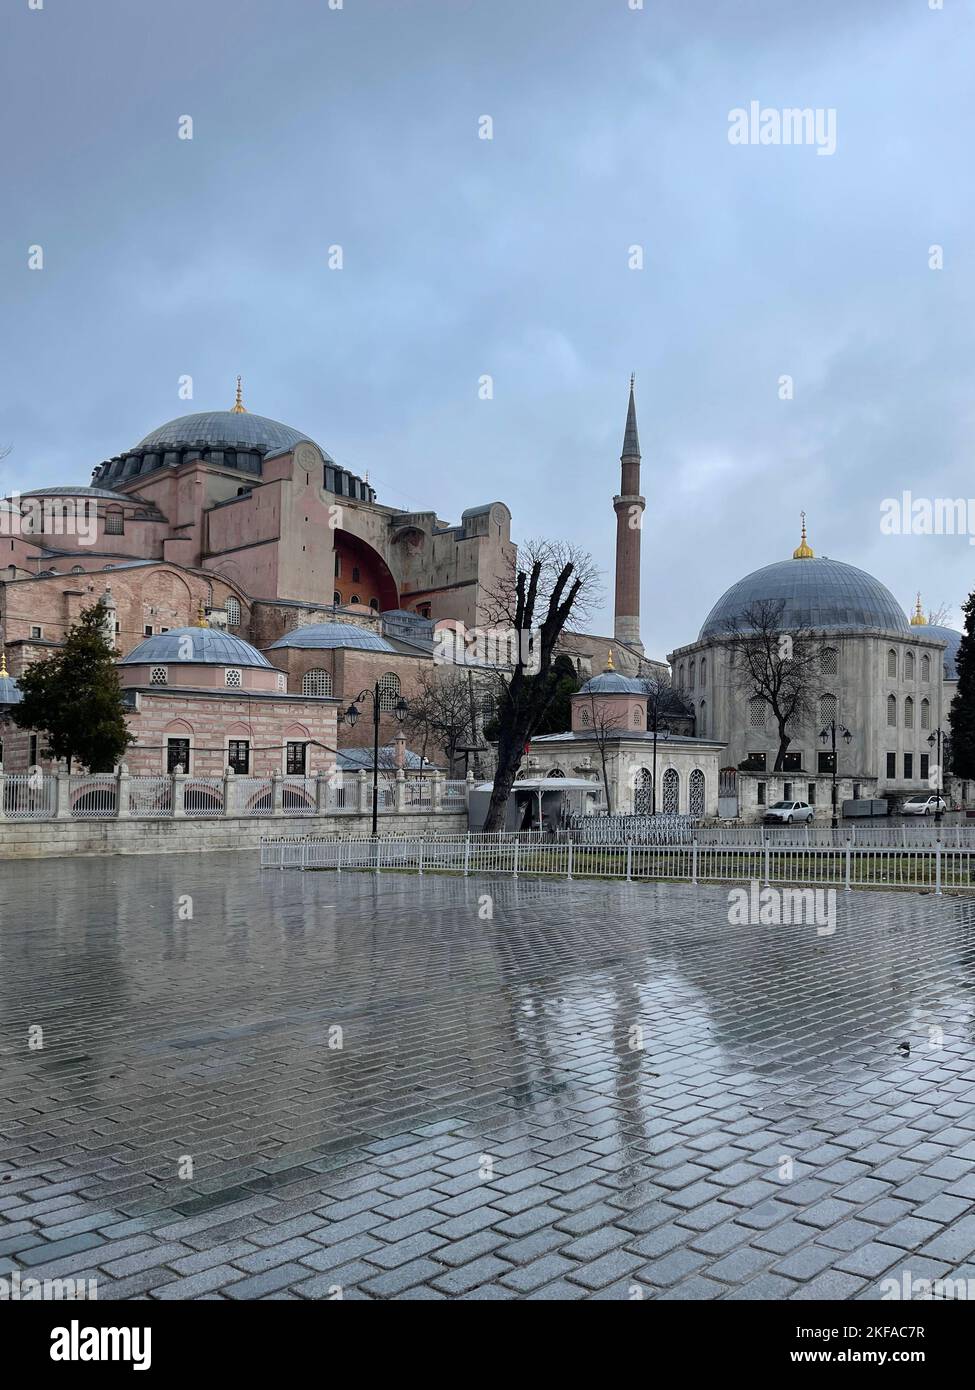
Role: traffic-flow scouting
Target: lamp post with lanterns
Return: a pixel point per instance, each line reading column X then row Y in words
column 939, row 739
column 401, row 709
column 829, row 735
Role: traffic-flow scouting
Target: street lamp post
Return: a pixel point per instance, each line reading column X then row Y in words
column 664, row 735
column 829, row 735
column 400, row 709
column 939, row 738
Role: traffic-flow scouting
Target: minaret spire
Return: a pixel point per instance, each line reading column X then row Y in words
column 629, row 507
column 238, row 407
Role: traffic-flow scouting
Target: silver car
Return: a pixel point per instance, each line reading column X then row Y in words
column 785, row 812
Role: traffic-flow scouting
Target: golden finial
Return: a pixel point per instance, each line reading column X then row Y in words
column 239, row 408
column 201, row 617
column 609, row 661
column 917, row 617
column 3, row 663
column 803, row 550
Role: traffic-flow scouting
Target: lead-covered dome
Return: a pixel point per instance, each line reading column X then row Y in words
column 328, row 636
column 949, row 636
column 814, row 593
column 227, row 429
column 196, row 646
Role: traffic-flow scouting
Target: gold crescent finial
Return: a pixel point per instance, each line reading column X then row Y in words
column 609, row 661
column 239, row 408
column 917, row 617
column 201, row 617
column 803, row 550
column 3, row 662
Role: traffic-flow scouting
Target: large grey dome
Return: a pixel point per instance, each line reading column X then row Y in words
column 223, row 428
column 208, row 646
column 814, row 593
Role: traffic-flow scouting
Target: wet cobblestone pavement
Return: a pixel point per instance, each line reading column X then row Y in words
column 793, row 1127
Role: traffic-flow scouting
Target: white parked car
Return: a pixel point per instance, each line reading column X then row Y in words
column 923, row 805
column 785, row 812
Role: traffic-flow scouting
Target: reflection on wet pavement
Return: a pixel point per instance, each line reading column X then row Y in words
column 275, row 1085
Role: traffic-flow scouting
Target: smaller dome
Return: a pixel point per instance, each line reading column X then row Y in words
column 209, row 647
column 612, row 683
column 9, row 689
column 322, row 636
column 947, row 635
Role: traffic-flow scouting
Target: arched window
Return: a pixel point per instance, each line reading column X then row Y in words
column 756, row 712
column 704, row 671
column 908, row 666
column 671, row 791
column 908, row 713
column 695, row 793
column 827, row 709
column 556, row 772
column 892, row 663
column 355, row 599
column 77, row 569
column 828, row 661
column 925, row 714
column 680, row 675
column 336, row 597
column 388, row 690
column 316, row 682
column 233, row 611
column 643, row 793
column 702, row 719
column 925, row 667
column 891, row 712
column 690, row 674
column 374, row 604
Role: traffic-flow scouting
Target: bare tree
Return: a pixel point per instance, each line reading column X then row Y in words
column 940, row 616
column 441, row 711
column 777, row 667
column 531, row 603
column 606, row 726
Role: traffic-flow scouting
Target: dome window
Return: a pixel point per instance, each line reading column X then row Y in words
column 233, row 678
column 114, row 523
column 159, row 675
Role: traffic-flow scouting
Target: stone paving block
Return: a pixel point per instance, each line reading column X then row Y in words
column 369, row 1178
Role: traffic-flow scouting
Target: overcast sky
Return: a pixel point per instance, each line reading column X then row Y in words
column 465, row 257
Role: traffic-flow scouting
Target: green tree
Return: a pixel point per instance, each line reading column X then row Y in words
column 74, row 697
column 557, row 716
column 961, row 717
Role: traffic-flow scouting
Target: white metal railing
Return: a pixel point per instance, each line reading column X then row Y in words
column 454, row 793
column 203, row 796
column 150, row 796
column 93, row 796
column 418, row 792
column 940, row 868
column 254, row 795
column 298, row 796
column 29, row 796
column 105, row 796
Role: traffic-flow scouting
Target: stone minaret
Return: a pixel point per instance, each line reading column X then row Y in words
column 629, row 520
